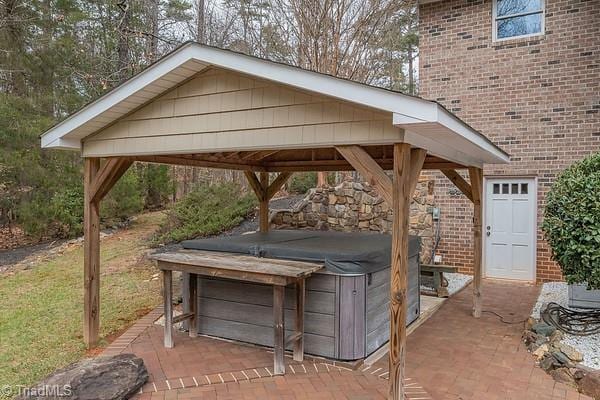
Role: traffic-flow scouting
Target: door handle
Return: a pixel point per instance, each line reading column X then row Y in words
column 487, row 233
column 487, row 228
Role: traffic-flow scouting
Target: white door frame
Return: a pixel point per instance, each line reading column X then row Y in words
column 484, row 220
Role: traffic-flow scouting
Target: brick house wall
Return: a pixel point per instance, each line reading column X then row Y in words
column 538, row 98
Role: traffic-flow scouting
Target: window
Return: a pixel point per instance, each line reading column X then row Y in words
column 516, row 18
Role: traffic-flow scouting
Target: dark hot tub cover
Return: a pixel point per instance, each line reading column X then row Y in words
column 344, row 253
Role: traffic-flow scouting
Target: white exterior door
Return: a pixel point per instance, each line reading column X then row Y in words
column 510, row 228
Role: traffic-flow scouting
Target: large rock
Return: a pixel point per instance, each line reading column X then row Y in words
column 100, row 378
column 570, row 352
column 589, row 384
column 542, row 328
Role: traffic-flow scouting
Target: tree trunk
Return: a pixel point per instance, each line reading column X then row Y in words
column 201, row 34
column 123, row 61
column 411, row 71
column 153, row 38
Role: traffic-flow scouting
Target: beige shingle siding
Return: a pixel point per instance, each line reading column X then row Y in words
column 218, row 109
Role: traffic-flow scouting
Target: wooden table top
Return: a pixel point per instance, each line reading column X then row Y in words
column 237, row 262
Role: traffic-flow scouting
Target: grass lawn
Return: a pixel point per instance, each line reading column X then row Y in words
column 41, row 309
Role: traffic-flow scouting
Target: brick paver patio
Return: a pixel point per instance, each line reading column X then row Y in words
column 451, row 356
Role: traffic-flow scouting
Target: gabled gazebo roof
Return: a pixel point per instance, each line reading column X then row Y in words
column 210, row 107
column 426, row 124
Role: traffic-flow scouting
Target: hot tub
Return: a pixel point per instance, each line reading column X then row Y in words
column 347, row 303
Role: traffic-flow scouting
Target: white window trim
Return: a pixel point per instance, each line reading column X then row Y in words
column 495, row 23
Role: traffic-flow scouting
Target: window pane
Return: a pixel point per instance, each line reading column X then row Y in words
column 514, row 188
column 505, row 188
column 518, row 26
column 524, row 188
column 512, row 7
column 496, row 188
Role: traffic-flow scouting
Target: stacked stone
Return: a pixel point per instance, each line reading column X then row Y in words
column 352, row 206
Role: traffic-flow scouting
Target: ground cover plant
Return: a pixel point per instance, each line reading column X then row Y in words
column 207, row 210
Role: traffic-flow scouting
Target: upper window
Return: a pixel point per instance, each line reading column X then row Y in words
column 517, row 18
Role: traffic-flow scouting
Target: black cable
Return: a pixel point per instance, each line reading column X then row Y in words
column 502, row 318
column 580, row 323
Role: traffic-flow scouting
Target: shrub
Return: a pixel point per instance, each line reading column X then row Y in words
column 206, row 211
column 67, row 211
column 301, row 182
column 572, row 221
column 157, row 183
column 124, row 199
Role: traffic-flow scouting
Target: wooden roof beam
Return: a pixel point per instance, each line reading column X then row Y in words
column 178, row 160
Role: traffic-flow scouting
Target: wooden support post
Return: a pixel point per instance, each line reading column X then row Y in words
column 168, row 307
column 278, row 330
column 193, row 300
column 476, row 177
column 263, row 213
column 300, row 298
column 96, row 183
column 399, row 268
column 91, row 256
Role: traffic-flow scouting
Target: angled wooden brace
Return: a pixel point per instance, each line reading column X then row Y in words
column 459, row 182
column 369, row 169
column 107, row 176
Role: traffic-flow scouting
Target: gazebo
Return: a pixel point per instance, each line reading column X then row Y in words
column 208, row 107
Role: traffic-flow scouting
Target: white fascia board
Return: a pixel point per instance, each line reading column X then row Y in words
column 112, row 98
column 450, row 122
column 64, row 144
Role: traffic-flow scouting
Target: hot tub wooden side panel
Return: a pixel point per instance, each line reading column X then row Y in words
column 378, row 300
column 243, row 311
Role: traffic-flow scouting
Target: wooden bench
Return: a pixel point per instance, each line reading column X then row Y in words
column 274, row 272
column 437, row 271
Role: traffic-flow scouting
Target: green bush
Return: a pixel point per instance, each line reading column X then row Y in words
column 157, row 183
column 301, row 182
column 572, row 221
column 67, row 211
column 206, row 211
column 124, row 199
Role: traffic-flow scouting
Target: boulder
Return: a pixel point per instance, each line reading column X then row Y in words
column 540, row 351
column 529, row 338
column 561, row 358
column 570, row 352
column 101, row 378
column 542, row 328
column 548, row 362
column 589, row 384
column 562, row 375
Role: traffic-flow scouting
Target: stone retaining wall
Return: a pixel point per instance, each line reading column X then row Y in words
column 353, row 206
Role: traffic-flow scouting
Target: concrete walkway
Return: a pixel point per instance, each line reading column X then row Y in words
column 450, row 356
